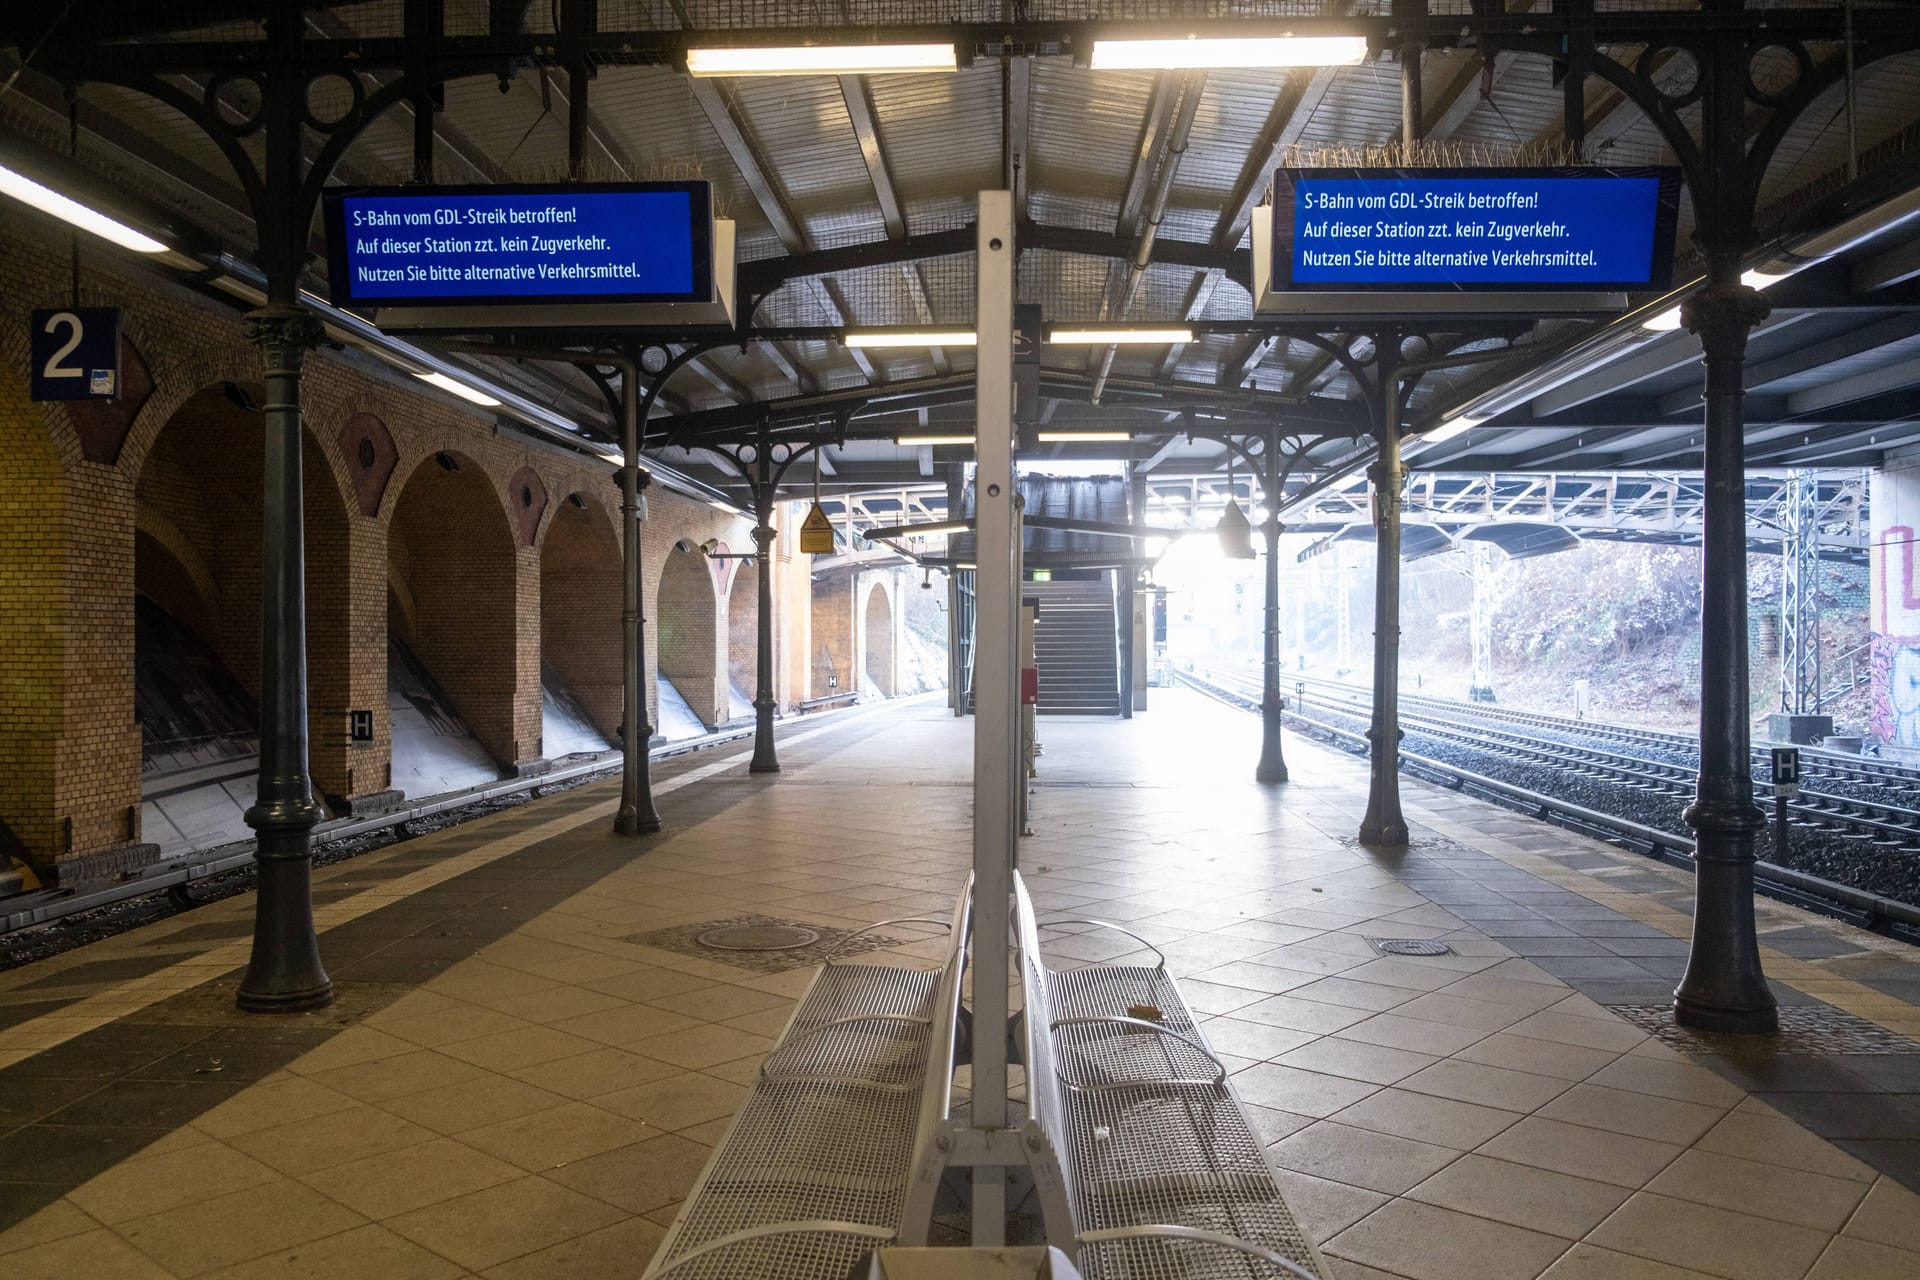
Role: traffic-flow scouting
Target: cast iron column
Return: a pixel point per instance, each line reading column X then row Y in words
column 1384, row 824
column 1273, row 765
column 637, row 816
column 1724, row 989
column 764, row 760
column 284, row 973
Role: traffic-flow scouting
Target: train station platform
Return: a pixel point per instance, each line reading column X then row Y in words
column 532, row 1049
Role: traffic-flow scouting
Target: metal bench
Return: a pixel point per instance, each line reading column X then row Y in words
column 824, row 1159
column 1155, row 1170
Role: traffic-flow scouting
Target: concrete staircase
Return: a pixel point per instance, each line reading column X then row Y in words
column 1074, row 648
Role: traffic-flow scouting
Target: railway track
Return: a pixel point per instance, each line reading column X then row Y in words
column 1886, row 823
column 1639, row 798
column 1815, row 762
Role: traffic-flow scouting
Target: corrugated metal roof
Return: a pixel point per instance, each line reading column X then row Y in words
column 1090, row 138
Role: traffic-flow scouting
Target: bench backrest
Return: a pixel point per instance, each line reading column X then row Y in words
column 1046, row 1100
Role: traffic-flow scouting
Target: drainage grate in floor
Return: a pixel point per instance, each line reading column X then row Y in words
column 763, row 944
column 758, row 937
column 1804, row 1028
column 1411, row 947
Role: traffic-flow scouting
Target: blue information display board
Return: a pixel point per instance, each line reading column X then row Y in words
column 1473, row 230
column 479, row 246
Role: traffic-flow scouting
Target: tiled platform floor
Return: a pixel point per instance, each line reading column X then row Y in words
column 510, row 1085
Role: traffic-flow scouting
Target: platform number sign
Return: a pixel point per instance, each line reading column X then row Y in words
column 1786, row 772
column 76, row 353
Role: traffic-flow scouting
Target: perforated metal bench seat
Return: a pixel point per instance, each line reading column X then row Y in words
column 1163, row 1173
column 815, row 1170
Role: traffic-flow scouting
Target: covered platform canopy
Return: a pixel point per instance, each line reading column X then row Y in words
column 1134, row 191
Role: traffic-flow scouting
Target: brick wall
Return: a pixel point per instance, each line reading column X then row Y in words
column 451, row 554
column 691, row 641
column 170, row 504
column 580, row 594
column 833, row 636
column 743, row 628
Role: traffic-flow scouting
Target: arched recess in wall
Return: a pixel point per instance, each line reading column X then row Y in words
column 34, row 658
column 580, row 634
column 687, row 614
column 452, row 655
column 878, row 673
column 197, row 579
column 743, row 638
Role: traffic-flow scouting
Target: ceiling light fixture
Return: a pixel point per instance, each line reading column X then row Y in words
column 915, row 441
column 1119, row 337
column 823, row 60
column 67, row 209
column 461, row 389
column 1452, row 427
column 1196, row 53
column 910, row 338
column 1088, row 437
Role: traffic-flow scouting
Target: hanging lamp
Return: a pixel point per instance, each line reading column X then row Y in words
column 1236, row 535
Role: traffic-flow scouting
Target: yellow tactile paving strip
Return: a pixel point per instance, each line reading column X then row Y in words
column 538, row 1108
column 48, row 1030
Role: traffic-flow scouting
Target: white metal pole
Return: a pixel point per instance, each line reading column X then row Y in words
column 996, row 725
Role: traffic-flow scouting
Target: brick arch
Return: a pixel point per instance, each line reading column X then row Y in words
column 743, row 627
column 192, row 594
column 879, row 659
column 596, row 489
column 687, row 620
column 581, row 599
column 419, row 448
column 198, row 497
column 175, row 383
column 451, row 549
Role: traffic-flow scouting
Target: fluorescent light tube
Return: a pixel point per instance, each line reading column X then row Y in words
column 822, row 60
column 1091, row 437
column 1451, row 428
column 1668, row 321
column 1196, row 53
column 1665, row 322
column 67, row 209
column 930, row 530
column 910, row 338
column 1119, row 337
column 460, row 389
column 920, row 440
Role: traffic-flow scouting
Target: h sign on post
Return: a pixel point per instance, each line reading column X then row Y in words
column 76, row 353
column 1786, row 772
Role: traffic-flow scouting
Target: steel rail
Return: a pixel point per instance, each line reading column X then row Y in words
column 1815, row 761
column 1877, row 913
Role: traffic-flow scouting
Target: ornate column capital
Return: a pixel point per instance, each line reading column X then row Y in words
column 1722, row 313
column 284, row 335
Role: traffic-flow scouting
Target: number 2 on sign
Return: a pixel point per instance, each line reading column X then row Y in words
column 75, row 331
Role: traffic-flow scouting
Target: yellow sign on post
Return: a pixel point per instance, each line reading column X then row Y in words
column 816, row 533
